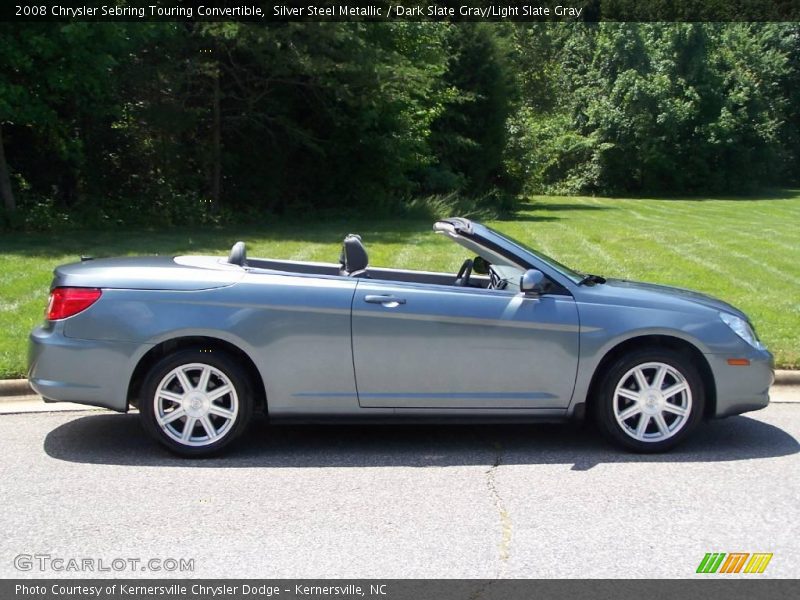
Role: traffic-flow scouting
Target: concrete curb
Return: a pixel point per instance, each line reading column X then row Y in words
column 11, row 388
column 14, row 387
column 787, row 377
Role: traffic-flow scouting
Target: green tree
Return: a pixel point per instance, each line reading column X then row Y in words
column 54, row 79
column 659, row 108
column 469, row 138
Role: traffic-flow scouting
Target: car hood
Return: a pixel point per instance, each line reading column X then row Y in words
column 649, row 294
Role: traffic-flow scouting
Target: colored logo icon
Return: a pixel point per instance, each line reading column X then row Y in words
column 734, row 562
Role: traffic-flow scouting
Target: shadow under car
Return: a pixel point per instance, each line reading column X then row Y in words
column 114, row 439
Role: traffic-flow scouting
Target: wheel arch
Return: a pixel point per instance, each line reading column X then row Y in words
column 658, row 341
column 175, row 344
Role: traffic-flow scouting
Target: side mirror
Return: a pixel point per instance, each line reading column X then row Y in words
column 532, row 282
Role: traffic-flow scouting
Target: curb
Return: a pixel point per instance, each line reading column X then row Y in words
column 785, row 377
column 11, row 388
column 14, row 387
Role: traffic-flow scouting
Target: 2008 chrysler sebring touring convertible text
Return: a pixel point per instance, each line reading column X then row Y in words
column 199, row 343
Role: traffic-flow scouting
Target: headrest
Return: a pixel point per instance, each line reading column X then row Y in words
column 238, row 255
column 354, row 255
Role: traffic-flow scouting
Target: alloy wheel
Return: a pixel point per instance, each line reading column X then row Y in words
column 652, row 402
column 196, row 404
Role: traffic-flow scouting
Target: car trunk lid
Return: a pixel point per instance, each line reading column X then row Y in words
column 147, row 273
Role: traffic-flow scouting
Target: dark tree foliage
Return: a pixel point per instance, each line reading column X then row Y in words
column 469, row 138
column 658, row 108
column 173, row 124
column 56, row 95
column 790, row 91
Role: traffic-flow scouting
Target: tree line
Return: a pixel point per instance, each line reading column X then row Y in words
column 104, row 123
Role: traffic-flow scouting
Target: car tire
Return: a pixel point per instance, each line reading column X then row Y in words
column 201, row 389
column 649, row 400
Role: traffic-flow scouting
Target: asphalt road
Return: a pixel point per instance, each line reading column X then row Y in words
column 364, row 502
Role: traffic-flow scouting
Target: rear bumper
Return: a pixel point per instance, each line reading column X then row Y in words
column 742, row 388
column 93, row 372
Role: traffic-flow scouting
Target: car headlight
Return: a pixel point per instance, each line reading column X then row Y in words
column 742, row 329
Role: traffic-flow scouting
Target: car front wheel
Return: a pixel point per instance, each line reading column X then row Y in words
column 650, row 400
column 196, row 402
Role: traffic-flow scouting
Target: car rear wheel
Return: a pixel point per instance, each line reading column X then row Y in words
column 196, row 402
column 650, row 400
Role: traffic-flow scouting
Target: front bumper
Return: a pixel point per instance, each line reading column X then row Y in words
column 93, row 372
column 742, row 388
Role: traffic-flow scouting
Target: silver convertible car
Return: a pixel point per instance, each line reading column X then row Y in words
column 199, row 343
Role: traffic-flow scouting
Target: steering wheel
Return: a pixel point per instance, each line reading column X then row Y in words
column 462, row 278
column 496, row 282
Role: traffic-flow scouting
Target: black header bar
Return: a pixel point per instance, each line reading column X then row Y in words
column 395, row 589
column 257, row 11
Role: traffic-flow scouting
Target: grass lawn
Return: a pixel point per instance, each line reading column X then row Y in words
column 745, row 251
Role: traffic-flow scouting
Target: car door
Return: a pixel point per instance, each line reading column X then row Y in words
column 437, row 346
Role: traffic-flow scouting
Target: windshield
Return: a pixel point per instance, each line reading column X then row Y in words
column 575, row 276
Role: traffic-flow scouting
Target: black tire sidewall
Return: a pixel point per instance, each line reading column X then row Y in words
column 604, row 403
column 219, row 360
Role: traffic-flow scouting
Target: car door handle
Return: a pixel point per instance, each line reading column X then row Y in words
column 384, row 299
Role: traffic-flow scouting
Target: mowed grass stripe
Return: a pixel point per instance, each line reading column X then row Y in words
column 649, row 249
column 771, row 222
column 759, row 250
column 696, row 249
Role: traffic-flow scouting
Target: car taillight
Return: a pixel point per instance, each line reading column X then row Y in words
column 68, row 301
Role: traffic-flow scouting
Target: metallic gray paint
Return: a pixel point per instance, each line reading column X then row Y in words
column 323, row 352
column 445, row 342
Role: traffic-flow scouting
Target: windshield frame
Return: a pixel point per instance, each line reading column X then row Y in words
column 573, row 275
column 493, row 245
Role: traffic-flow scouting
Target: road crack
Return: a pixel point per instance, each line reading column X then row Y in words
column 504, row 546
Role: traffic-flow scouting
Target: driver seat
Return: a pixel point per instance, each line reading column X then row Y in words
column 354, row 259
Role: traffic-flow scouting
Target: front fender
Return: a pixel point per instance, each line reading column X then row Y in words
column 605, row 327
